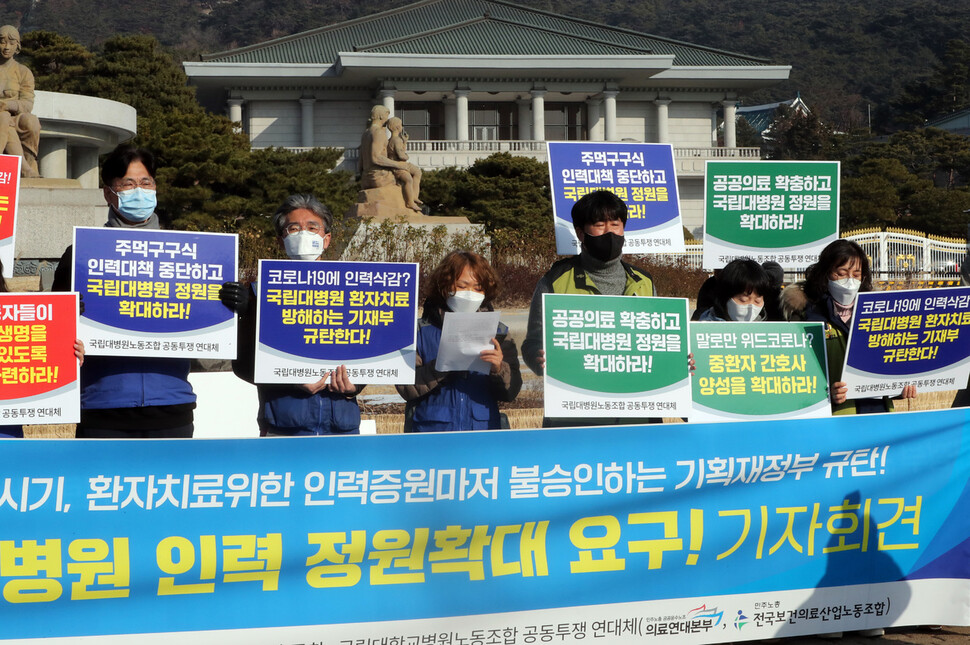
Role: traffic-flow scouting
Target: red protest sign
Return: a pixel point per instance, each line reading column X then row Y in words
column 9, row 184
column 37, row 332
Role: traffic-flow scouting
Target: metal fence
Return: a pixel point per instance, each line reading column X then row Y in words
column 893, row 254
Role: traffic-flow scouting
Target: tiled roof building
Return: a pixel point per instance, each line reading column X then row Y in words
column 472, row 77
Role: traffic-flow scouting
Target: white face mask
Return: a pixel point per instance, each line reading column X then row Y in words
column 743, row 313
column 304, row 245
column 465, row 302
column 844, row 291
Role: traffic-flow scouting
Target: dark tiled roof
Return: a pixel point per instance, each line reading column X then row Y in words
column 761, row 117
column 473, row 27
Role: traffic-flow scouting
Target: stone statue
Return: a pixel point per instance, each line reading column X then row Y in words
column 19, row 129
column 410, row 176
column 377, row 168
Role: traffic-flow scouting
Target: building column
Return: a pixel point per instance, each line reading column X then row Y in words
column 538, row 115
column 594, row 108
column 525, row 119
column 609, row 106
column 306, row 121
column 85, row 166
column 451, row 119
column 387, row 98
column 53, row 158
column 461, row 115
column 730, row 124
column 235, row 109
column 663, row 127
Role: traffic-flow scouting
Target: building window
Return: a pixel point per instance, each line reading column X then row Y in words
column 422, row 121
column 565, row 122
column 491, row 121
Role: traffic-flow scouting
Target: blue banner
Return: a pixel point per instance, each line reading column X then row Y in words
column 900, row 338
column 315, row 316
column 698, row 533
column 154, row 293
column 641, row 174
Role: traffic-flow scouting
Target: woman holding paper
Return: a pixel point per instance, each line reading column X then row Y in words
column 440, row 401
column 829, row 295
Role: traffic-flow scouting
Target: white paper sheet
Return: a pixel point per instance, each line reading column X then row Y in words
column 463, row 338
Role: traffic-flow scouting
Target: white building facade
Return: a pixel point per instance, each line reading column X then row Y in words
column 473, row 77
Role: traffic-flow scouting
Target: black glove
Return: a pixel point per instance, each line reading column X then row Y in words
column 235, row 295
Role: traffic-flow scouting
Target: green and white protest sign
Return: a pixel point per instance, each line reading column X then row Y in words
column 784, row 211
column 760, row 370
column 615, row 356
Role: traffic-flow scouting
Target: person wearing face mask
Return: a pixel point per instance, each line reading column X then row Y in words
column 741, row 293
column 125, row 397
column 463, row 282
column 828, row 295
column 327, row 406
column 599, row 219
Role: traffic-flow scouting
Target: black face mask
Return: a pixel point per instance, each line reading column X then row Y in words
column 605, row 247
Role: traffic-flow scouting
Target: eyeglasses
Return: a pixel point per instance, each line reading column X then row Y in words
column 128, row 184
column 313, row 227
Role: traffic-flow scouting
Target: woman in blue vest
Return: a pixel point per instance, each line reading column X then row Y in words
column 464, row 282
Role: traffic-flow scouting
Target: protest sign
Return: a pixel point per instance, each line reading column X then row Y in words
column 760, row 370
column 38, row 369
column 782, row 211
column 689, row 534
column 9, row 201
column 316, row 316
column 155, row 293
column 641, row 174
column 901, row 338
column 615, row 356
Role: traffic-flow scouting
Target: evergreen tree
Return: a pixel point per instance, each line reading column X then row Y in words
column 945, row 90
column 794, row 135
column 209, row 179
column 499, row 191
column 878, row 194
column 135, row 70
column 59, row 63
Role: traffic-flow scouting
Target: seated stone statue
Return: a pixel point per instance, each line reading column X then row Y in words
column 19, row 129
column 377, row 169
column 410, row 176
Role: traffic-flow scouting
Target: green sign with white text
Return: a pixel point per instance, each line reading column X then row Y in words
column 615, row 356
column 783, row 211
column 759, row 370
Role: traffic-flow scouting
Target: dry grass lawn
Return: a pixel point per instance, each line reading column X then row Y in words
column 520, row 419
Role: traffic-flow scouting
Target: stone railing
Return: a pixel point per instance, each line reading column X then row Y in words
column 718, row 153
column 432, row 155
column 894, row 253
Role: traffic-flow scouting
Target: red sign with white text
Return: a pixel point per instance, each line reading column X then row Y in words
column 38, row 368
column 9, row 187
